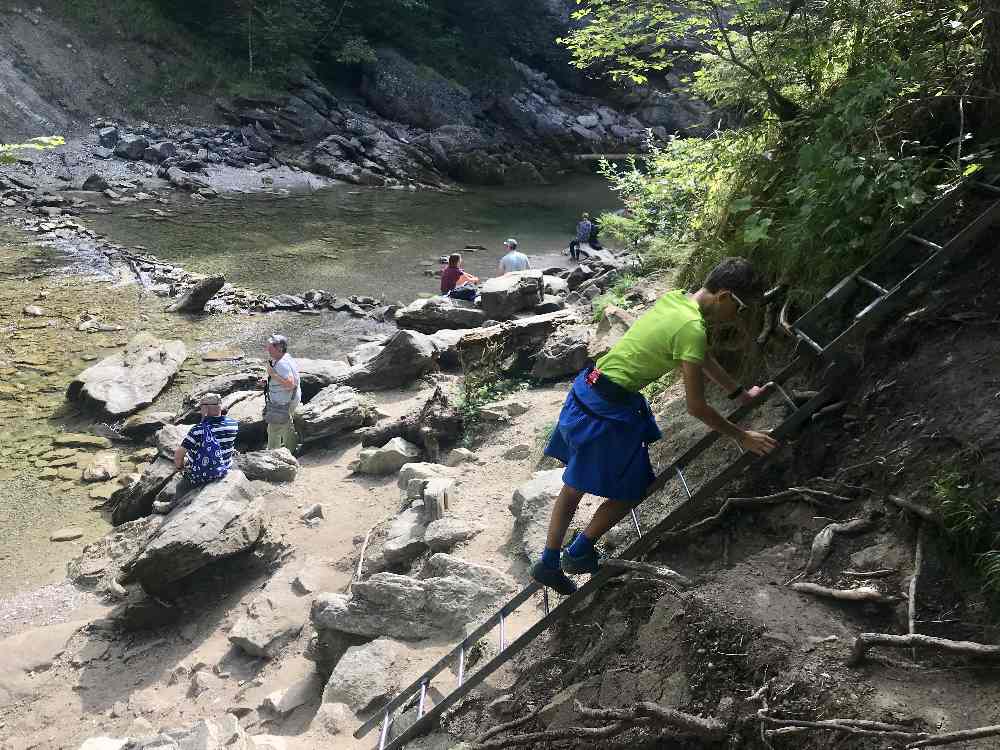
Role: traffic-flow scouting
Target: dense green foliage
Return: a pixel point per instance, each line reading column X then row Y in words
column 971, row 519
column 851, row 118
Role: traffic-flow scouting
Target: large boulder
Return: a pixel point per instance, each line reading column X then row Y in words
column 265, row 628
column 335, row 410
column 317, row 374
column 247, row 408
column 415, row 94
column 565, row 353
column 406, row 356
column 367, row 674
column 215, row 521
column 412, row 609
column 269, row 466
column 438, row 313
column 531, row 507
column 131, row 147
column 443, row 534
column 503, row 296
column 141, row 426
column 388, row 459
column 135, row 499
column 127, row 381
column 194, row 299
column 405, row 537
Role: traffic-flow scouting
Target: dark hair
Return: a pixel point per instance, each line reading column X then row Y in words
column 734, row 274
column 454, row 259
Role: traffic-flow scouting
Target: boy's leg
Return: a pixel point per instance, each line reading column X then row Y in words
column 605, row 517
column 546, row 571
column 563, row 511
column 581, row 556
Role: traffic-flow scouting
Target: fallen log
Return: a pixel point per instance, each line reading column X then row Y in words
column 862, row 594
column 846, row 726
column 866, row 641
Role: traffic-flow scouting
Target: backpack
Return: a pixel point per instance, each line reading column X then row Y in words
column 466, row 291
column 205, row 462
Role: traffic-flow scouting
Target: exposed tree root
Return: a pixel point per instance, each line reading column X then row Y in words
column 918, row 562
column 866, row 641
column 642, row 714
column 823, row 542
column 880, row 573
column 506, row 727
column 847, row 726
column 750, row 503
column 950, row 738
column 862, row 594
column 640, row 567
column 920, row 510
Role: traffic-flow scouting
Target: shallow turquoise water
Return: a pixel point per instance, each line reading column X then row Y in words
column 360, row 241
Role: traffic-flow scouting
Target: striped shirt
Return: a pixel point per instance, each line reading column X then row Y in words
column 225, row 430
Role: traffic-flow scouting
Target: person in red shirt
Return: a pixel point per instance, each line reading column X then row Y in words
column 452, row 274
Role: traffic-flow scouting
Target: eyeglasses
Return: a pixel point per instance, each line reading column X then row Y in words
column 740, row 304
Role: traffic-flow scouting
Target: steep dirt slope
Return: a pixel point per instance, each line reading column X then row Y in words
column 741, row 640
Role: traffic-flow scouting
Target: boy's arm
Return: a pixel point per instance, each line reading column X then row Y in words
column 698, row 407
column 725, row 381
column 179, row 455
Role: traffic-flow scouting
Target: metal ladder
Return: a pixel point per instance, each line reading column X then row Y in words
column 887, row 289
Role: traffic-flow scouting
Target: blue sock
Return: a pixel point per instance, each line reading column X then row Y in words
column 581, row 545
column 550, row 558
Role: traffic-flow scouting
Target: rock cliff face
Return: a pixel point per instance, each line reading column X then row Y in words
column 405, row 123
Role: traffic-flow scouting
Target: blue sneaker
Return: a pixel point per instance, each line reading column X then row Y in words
column 588, row 562
column 554, row 578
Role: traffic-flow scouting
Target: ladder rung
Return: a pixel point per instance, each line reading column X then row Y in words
column 635, row 520
column 503, row 633
column 385, row 730
column 461, row 658
column 423, row 697
column 926, row 243
column 880, row 290
column 803, row 337
column 868, row 308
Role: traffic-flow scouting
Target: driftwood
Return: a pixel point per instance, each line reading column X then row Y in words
column 646, row 713
column 435, row 425
column 866, row 641
column 640, row 567
column 862, row 594
column 924, row 512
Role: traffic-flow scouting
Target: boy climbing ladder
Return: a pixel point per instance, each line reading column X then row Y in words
column 606, row 426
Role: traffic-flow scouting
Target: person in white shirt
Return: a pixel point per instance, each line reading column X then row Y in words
column 513, row 260
column 283, row 395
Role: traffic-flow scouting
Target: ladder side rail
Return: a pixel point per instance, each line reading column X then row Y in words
column 441, row 664
column 887, row 306
column 681, row 514
column 929, row 218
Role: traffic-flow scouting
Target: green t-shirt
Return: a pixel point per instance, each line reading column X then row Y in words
column 672, row 332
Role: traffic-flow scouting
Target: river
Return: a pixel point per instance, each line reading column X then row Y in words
column 346, row 240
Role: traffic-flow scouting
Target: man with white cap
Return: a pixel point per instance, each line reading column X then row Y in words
column 206, row 453
column 514, row 260
column 283, row 395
